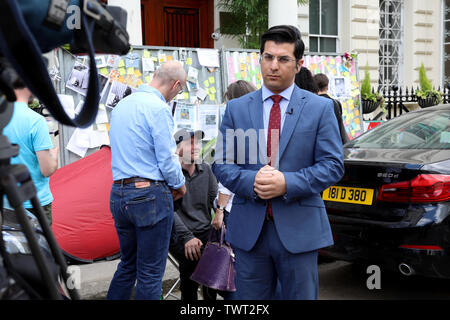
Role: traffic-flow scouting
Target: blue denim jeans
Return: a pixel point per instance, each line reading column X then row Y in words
column 143, row 218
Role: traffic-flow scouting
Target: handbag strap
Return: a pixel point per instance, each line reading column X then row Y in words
column 222, row 234
column 23, row 52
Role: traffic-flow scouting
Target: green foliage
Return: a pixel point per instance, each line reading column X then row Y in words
column 206, row 153
column 426, row 89
column 425, row 84
column 35, row 104
column 251, row 16
column 366, row 88
column 430, row 94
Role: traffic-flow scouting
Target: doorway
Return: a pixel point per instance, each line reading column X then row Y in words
column 178, row 23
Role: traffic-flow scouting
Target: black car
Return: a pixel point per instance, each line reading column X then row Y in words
column 392, row 206
column 28, row 282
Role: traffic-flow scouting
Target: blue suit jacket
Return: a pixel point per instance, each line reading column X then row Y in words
column 310, row 156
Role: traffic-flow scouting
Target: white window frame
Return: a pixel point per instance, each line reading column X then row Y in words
column 397, row 67
column 337, row 37
column 445, row 79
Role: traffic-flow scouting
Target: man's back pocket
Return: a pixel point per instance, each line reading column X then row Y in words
column 142, row 210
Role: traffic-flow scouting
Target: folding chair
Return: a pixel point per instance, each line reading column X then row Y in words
column 175, row 263
column 170, row 292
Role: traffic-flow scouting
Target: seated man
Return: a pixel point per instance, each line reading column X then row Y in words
column 192, row 220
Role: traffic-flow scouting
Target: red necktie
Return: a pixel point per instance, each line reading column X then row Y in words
column 274, row 124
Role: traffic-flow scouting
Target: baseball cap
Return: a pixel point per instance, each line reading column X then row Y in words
column 183, row 134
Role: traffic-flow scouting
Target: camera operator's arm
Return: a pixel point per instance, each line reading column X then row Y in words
column 48, row 161
column 46, row 154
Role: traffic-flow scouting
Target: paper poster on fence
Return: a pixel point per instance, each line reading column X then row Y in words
column 185, row 117
column 80, row 141
column 208, row 57
column 208, row 120
column 343, row 86
column 243, row 66
column 68, row 104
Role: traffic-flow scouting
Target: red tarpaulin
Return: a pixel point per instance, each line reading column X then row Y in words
column 82, row 222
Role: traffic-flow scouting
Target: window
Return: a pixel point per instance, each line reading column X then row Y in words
column 418, row 130
column 391, row 38
column 323, row 25
column 446, row 51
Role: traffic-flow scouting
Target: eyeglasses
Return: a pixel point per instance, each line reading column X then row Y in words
column 181, row 88
column 267, row 57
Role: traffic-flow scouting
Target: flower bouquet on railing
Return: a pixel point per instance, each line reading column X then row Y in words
column 426, row 95
column 349, row 58
column 370, row 100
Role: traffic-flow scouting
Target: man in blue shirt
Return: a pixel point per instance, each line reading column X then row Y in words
column 147, row 179
column 29, row 130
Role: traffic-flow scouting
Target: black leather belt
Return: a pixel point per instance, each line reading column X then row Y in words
column 133, row 179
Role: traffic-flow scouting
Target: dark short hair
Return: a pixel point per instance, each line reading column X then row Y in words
column 321, row 81
column 238, row 89
column 18, row 84
column 304, row 80
column 284, row 34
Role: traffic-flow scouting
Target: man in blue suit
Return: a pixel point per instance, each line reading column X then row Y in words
column 278, row 219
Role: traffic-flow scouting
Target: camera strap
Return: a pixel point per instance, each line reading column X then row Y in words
column 22, row 51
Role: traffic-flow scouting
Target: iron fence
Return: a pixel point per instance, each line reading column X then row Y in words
column 397, row 98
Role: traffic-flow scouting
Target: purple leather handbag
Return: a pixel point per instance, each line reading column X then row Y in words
column 215, row 268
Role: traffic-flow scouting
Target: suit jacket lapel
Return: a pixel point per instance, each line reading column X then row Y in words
column 296, row 104
column 256, row 111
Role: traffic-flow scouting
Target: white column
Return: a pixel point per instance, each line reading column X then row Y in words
column 283, row 12
column 134, row 22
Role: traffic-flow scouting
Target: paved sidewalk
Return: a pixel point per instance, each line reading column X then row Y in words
column 96, row 277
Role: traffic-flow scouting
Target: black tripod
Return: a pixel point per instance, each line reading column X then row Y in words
column 16, row 183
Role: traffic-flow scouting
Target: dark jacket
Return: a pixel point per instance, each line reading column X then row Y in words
column 193, row 211
column 338, row 114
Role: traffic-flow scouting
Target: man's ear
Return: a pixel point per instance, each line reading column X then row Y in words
column 299, row 64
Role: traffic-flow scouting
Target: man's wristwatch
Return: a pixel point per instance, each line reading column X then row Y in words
column 220, row 207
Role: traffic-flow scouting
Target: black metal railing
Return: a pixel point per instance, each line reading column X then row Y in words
column 397, row 98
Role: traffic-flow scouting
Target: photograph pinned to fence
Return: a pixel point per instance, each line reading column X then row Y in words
column 117, row 92
column 192, row 75
column 79, row 80
column 339, row 87
column 102, row 84
column 100, row 61
column 113, row 61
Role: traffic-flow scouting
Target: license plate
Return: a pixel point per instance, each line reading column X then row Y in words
column 348, row 195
